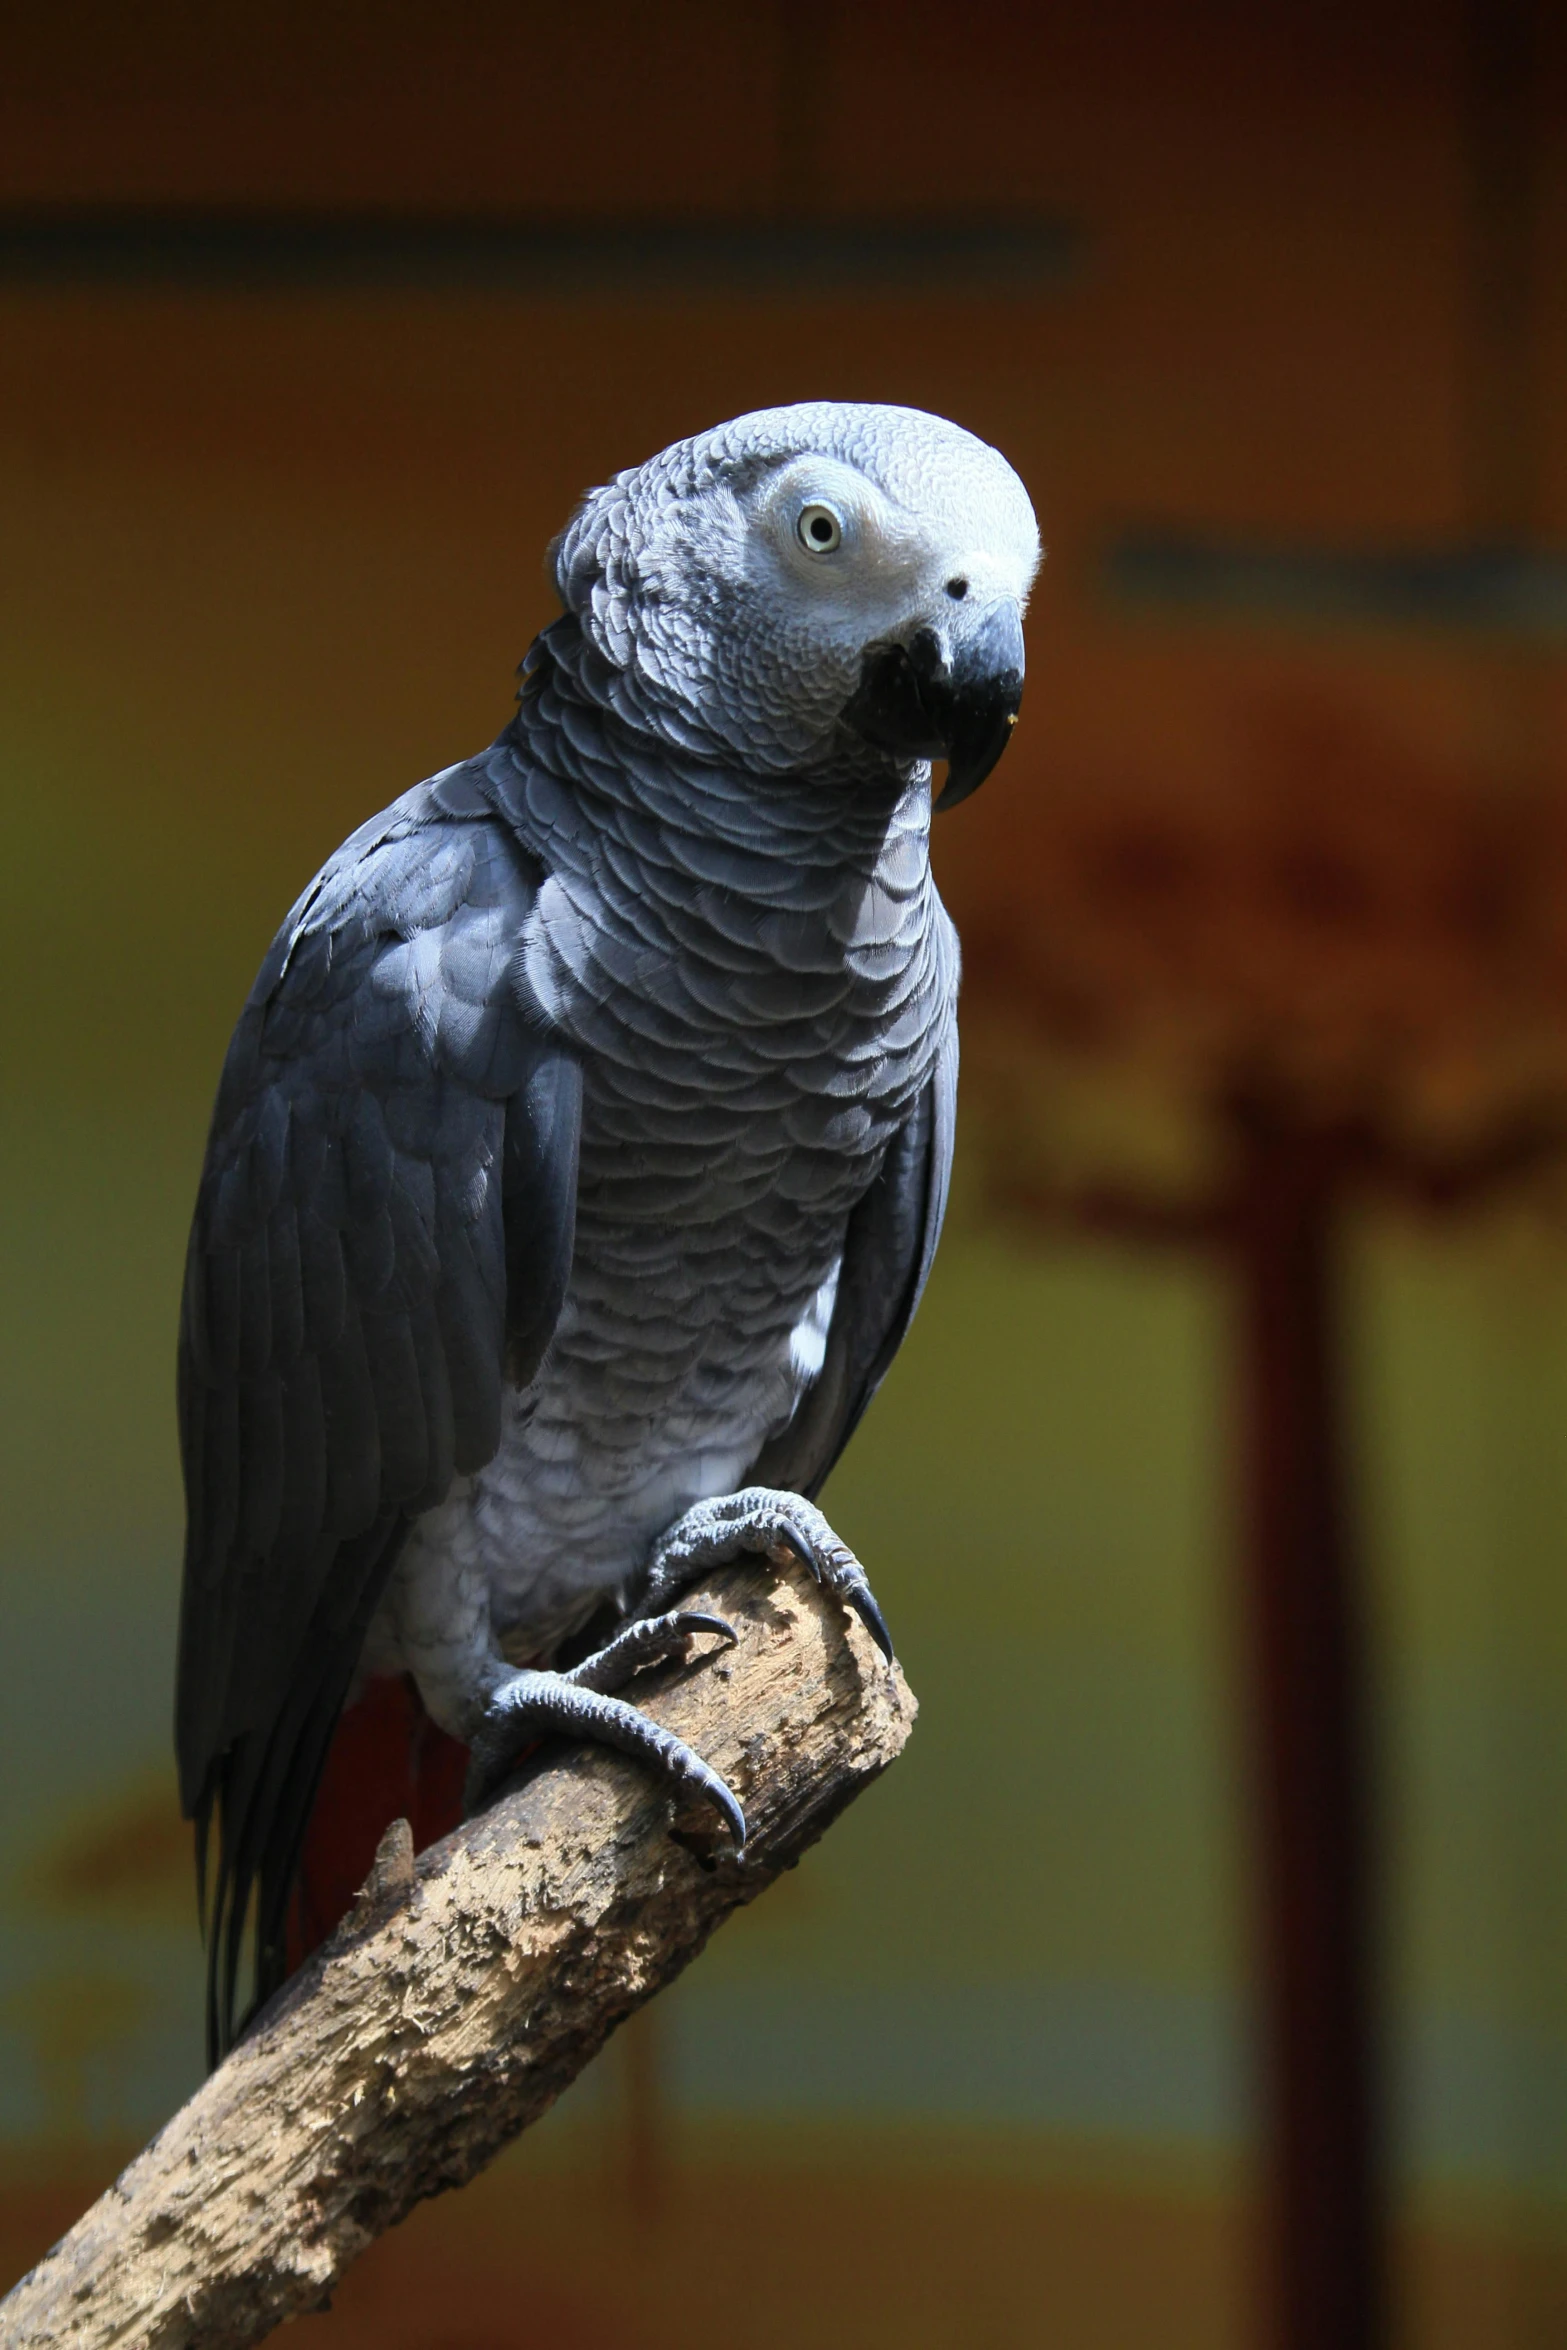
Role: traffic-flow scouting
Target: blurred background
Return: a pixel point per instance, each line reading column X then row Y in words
column 1200, row 1975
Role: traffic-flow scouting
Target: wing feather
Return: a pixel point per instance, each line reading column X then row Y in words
column 382, row 1235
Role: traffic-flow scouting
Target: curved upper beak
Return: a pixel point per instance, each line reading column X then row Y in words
column 921, row 701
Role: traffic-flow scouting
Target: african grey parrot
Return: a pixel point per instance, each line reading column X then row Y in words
column 582, row 1148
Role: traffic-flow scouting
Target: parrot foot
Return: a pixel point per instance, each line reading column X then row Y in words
column 531, row 1705
column 757, row 1518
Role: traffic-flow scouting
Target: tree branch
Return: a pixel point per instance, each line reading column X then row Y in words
column 468, row 1988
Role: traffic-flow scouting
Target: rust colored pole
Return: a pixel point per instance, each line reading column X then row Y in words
column 1324, row 2274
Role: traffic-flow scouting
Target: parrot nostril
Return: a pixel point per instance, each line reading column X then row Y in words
column 957, row 589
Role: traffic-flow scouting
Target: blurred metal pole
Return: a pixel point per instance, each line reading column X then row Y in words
column 1516, row 740
column 1326, row 2190
column 1324, row 2250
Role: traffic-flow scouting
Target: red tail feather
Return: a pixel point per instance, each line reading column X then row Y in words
column 387, row 1761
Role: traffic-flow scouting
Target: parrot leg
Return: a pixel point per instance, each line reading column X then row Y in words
column 529, row 1705
column 758, row 1518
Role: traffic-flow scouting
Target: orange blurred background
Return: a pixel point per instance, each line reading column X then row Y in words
column 1272, row 325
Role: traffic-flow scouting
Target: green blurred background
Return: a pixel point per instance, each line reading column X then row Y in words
column 982, row 2071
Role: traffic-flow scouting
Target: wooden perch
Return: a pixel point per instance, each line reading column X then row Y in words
column 468, row 1987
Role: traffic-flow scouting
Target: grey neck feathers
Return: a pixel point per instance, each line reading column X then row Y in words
column 579, row 720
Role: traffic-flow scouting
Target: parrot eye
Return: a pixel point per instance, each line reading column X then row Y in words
column 819, row 529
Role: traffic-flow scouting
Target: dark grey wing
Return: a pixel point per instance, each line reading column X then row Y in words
column 887, row 1256
column 382, row 1238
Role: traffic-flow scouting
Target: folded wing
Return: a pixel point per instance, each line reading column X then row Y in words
column 382, row 1239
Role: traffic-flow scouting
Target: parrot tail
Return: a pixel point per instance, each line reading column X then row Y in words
column 387, row 1761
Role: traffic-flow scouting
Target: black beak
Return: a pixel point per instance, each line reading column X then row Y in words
column 915, row 702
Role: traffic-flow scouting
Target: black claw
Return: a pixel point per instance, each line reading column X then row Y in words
column 729, row 1804
column 863, row 1601
column 802, row 1551
column 693, row 1620
column 858, row 1594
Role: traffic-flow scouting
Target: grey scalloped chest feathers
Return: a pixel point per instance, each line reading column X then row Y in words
column 757, row 977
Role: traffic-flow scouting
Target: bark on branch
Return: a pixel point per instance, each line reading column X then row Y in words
column 468, row 1988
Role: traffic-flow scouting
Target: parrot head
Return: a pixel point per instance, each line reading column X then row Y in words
column 808, row 579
